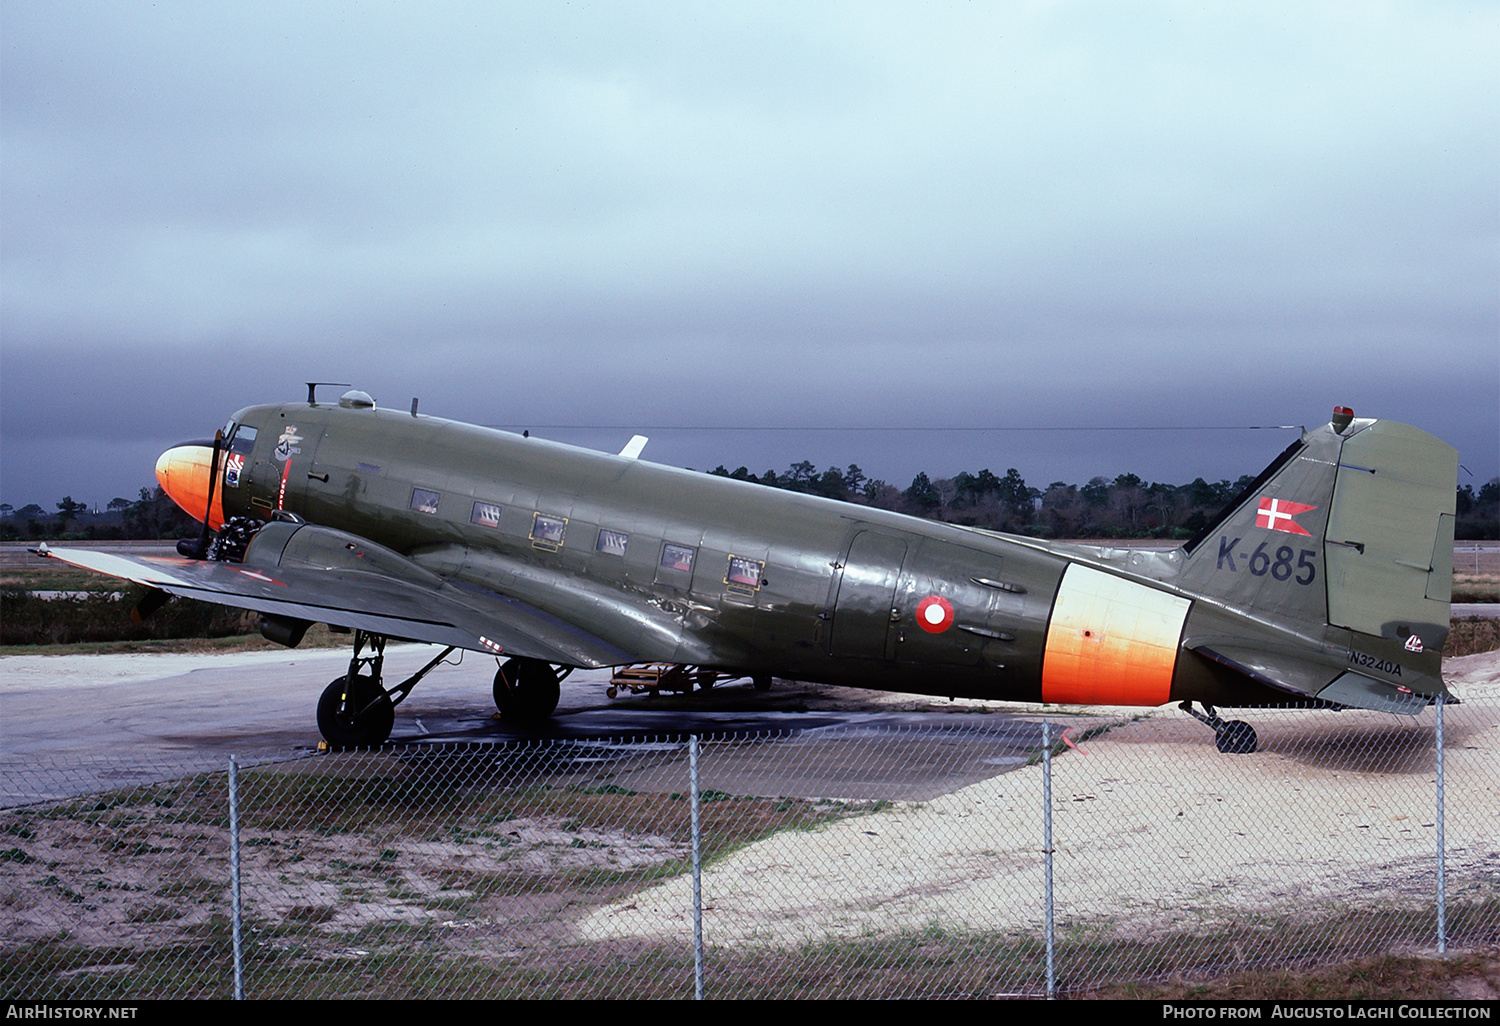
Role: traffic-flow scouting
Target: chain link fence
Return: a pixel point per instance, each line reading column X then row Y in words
column 906, row 863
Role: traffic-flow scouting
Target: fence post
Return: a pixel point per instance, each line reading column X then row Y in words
column 234, row 876
column 1442, row 876
column 697, row 871
column 1047, row 853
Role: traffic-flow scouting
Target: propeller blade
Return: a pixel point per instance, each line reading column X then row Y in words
column 213, row 479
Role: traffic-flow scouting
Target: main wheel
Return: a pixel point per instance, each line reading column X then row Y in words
column 526, row 689
column 366, row 717
column 1235, row 738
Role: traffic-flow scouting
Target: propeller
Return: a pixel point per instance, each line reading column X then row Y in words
column 200, row 551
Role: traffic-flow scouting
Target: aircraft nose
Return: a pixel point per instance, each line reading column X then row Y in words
column 182, row 471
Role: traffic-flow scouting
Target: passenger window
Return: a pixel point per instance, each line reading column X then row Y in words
column 677, row 557
column 612, row 542
column 744, row 574
column 486, row 514
column 424, row 501
column 547, row 532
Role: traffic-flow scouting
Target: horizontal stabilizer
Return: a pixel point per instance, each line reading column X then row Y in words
column 1361, row 692
column 1288, row 671
column 1294, row 673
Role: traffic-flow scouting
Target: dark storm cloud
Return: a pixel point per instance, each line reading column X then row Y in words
column 1033, row 214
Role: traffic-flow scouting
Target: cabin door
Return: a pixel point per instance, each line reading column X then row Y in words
column 862, row 627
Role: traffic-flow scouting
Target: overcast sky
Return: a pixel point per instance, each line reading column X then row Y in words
column 630, row 216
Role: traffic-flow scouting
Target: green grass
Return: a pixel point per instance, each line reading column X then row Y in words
column 1328, row 959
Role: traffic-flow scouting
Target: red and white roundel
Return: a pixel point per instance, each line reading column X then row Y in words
column 934, row 614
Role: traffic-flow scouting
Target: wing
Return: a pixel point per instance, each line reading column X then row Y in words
column 326, row 576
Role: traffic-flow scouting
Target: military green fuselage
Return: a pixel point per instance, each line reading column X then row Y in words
column 677, row 566
column 1326, row 582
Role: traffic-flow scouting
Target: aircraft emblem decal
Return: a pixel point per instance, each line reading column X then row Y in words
column 934, row 614
column 233, row 467
column 1414, row 644
column 286, row 445
column 1277, row 514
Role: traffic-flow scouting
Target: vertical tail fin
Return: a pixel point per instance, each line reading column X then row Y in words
column 1264, row 555
column 1351, row 529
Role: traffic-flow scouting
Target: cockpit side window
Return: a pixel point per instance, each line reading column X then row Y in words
column 243, row 439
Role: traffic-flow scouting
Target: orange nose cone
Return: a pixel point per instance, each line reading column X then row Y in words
column 182, row 471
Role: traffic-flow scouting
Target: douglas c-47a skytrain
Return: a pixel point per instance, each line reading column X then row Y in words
column 1326, row 583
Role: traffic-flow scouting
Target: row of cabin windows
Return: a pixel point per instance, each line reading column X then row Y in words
column 547, row 533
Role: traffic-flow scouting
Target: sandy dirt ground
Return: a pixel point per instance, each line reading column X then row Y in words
column 1153, row 829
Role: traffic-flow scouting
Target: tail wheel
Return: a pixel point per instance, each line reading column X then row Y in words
column 527, row 689
column 357, row 714
column 1236, row 737
column 1232, row 737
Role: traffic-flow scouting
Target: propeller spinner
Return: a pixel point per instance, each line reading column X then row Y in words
column 187, row 473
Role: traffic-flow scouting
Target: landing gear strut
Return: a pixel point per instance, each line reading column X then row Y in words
column 1232, row 737
column 527, row 689
column 356, row 711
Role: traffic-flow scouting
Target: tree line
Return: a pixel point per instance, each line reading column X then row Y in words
column 152, row 515
column 1123, row 507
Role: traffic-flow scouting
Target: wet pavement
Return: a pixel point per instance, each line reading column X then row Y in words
column 129, row 716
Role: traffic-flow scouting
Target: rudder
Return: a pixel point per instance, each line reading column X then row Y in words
column 1389, row 539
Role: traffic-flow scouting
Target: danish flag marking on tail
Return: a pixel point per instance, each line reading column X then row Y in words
column 1277, row 514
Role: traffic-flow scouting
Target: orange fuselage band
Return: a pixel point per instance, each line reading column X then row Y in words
column 1111, row 641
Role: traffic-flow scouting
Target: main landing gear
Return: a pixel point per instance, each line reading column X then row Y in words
column 527, row 689
column 1233, row 737
column 356, row 711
